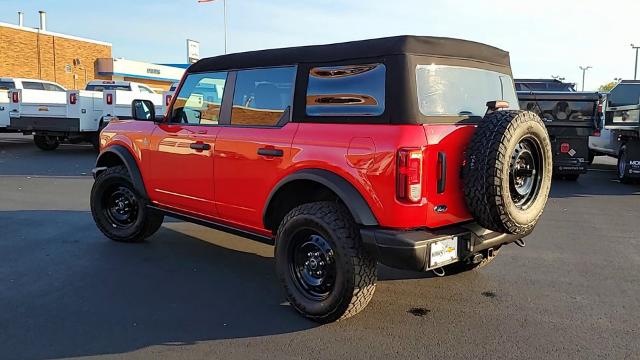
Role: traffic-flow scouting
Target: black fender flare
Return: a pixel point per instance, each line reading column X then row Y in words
column 350, row 196
column 129, row 162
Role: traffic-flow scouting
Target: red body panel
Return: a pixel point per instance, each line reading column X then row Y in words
column 231, row 183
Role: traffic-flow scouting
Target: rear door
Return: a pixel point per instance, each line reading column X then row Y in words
column 180, row 159
column 254, row 149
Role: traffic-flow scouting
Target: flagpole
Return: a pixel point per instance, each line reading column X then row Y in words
column 224, row 6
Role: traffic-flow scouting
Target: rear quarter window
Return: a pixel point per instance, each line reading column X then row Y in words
column 350, row 90
column 30, row 85
column 460, row 91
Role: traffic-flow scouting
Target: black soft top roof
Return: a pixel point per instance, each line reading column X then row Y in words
column 373, row 48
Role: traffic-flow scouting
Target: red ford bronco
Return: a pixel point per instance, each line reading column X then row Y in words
column 408, row 151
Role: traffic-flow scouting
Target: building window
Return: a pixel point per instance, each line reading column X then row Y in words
column 263, row 97
column 352, row 90
column 200, row 99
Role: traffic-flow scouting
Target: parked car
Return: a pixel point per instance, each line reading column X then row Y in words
column 409, row 151
column 49, row 89
column 570, row 116
column 622, row 119
column 75, row 115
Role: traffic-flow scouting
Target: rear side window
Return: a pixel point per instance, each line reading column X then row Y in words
column 459, row 91
column 199, row 99
column 30, row 85
column 263, row 97
column 625, row 94
column 6, row 85
column 144, row 89
column 351, row 90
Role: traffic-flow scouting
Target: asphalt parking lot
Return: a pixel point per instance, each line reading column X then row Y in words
column 191, row 292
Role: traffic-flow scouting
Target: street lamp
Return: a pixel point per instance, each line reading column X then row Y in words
column 635, row 69
column 584, row 71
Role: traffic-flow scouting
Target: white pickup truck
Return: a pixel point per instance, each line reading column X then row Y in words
column 47, row 89
column 82, row 114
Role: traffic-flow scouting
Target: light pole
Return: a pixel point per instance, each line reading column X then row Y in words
column 584, row 71
column 635, row 69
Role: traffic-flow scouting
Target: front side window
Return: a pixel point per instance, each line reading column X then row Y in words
column 145, row 89
column 263, row 97
column 30, row 85
column 351, row 90
column 460, row 91
column 200, row 99
column 52, row 87
column 103, row 87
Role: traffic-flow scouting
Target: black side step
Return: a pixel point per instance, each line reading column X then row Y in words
column 214, row 225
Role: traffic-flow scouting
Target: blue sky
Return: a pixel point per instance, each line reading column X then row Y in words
column 544, row 37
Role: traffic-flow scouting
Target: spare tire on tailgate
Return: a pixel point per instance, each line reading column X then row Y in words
column 507, row 171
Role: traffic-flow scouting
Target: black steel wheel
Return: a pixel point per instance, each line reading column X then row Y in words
column 119, row 211
column 320, row 260
column 525, row 175
column 312, row 264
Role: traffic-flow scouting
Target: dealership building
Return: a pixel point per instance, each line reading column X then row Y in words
column 72, row 61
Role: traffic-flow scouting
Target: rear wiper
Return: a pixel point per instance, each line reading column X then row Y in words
column 465, row 113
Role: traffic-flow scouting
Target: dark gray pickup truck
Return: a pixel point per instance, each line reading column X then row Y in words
column 570, row 117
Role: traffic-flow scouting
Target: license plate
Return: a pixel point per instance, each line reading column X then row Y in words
column 443, row 252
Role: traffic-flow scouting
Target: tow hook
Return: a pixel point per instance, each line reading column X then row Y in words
column 438, row 271
column 520, row 242
column 477, row 258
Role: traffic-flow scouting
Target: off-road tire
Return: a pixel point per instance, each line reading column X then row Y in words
column 355, row 268
column 46, row 143
column 147, row 221
column 486, row 171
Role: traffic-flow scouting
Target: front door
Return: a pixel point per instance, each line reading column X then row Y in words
column 180, row 160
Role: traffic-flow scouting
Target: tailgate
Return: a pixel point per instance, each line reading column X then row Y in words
column 572, row 109
column 443, row 165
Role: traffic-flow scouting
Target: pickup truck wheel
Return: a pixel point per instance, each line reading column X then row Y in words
column 623, row 174
column 119, row 211
column 326, row 273
column 507, row 171
column 46, row 143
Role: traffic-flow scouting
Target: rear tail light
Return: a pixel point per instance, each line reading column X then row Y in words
column 409, row 175
column 596, row 133
column 599, row 108
column 15, row 97
column 167, row 100
column 109, row 99
column 73, row 98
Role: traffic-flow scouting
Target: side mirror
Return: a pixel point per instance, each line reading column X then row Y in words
column 143, row 110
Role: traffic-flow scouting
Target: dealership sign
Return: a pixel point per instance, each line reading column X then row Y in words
column 193, row 51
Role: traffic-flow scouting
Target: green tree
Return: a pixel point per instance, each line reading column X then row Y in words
column 607, row 87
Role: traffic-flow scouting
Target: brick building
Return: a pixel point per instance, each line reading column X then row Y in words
column 71, row 61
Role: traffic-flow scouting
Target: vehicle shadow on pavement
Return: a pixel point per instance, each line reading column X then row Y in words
column 68, row 291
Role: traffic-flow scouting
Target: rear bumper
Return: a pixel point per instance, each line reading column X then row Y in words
column 410, row 249
column 28, row 123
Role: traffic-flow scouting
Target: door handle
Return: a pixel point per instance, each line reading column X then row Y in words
column 270, row 152
column 200, row 146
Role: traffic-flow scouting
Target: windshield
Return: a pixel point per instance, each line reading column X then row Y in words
column 459, row 91
column 103, row 87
